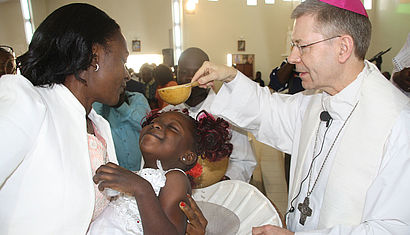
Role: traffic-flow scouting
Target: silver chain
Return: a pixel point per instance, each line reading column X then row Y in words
column 309, row 192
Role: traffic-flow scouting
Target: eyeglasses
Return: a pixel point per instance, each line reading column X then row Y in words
column 9, row 65
column 301, row 47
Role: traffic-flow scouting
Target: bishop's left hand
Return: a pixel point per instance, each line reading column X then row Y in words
column 270, row 230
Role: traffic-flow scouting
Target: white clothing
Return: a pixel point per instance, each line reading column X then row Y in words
column 122, row 217
column 242, row 161
column 46, row 182
column 402, row 61
column 277, row 120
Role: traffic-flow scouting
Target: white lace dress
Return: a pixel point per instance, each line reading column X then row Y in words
column 122, row 215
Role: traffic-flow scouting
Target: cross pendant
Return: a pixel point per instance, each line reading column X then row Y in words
column 305, row 210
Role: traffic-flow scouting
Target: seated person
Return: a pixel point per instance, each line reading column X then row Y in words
column 7, row 60
column 242, row 160
column 125, row 121
column 170, row 143
column 164, row 78
column 150, row 85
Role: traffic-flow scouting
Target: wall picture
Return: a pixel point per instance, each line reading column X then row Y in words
column 241, row 45
column 136, row 45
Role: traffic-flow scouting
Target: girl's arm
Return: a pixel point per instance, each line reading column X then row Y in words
column 158, row 215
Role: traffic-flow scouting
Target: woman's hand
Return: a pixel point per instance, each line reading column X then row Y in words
column 270, row 230
column 197, row 222
column 118, row 178
column 210, row 72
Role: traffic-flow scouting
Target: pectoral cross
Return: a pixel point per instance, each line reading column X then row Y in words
column 305, row 211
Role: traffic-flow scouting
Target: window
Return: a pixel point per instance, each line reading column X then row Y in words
column 251, row 2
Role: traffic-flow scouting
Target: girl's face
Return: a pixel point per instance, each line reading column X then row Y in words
column 166, row 138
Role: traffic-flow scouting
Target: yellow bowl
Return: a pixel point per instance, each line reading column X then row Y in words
column 175, row 94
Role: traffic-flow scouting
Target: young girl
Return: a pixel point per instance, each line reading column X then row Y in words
column 170, row 143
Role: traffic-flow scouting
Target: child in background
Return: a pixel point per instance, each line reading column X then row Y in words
column 170, row 143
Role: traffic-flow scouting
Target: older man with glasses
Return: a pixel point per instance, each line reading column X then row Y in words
column 7, row 60
column 349, row 133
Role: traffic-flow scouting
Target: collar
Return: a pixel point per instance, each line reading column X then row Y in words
column 340, row 105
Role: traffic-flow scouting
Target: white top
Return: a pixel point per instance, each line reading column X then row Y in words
column 402, row 61
column 242, row 161
column 46, row 182
column 121, row 216
column 276, row 119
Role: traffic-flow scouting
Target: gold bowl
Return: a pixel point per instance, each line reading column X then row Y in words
column 176, row 94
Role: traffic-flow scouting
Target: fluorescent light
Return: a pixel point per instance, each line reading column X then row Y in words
column 190, row 6
column 252, row 2
column 229, row 60
column 28, row 30
column 269, row 1
column 25, row 9
column 367, row 4
column 176, row 12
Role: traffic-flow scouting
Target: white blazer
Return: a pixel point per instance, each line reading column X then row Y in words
column 46, row 182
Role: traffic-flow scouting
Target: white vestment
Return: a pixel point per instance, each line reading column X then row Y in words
column 378, row 129
column 46, row 182
column 242, row 161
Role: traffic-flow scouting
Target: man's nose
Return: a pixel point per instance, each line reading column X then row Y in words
column 294, row 56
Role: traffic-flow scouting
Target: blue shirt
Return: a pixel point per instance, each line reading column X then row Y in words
column 125, row 122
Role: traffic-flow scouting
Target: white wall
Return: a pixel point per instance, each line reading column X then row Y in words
column 390, row 29
column 216, row 27
column 11, row 26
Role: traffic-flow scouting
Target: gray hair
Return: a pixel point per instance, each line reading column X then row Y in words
column 332, row 21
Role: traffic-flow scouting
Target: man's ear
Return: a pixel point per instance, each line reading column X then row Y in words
column 188, row 158
column 346, row 48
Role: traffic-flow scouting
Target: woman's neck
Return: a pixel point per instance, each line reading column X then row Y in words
column 79, row 90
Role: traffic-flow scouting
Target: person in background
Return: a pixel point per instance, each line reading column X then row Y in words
column 7, row 60
column 52, row 141
column 134, row 84
column 125, row 120
column 350, row 143
column 401, row 68
column 242, row 160
column 285, row 77
column 258, row 79
column 164, row 78
column 150, row 85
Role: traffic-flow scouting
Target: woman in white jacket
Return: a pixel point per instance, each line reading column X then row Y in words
column 51, row 140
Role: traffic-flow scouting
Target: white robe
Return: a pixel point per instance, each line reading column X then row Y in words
column 276, row 119
column 242, row 161
column 46, row 182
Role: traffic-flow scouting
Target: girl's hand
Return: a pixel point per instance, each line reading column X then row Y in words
column 118, row 178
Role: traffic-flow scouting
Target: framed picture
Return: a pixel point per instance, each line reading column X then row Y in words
column 136, row 45
column 241, row 45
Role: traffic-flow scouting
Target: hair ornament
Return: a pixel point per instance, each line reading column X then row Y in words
column 195, row 171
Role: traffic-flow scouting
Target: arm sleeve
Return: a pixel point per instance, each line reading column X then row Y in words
column 242, row 161
column 22, row 113
column 271, row 118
